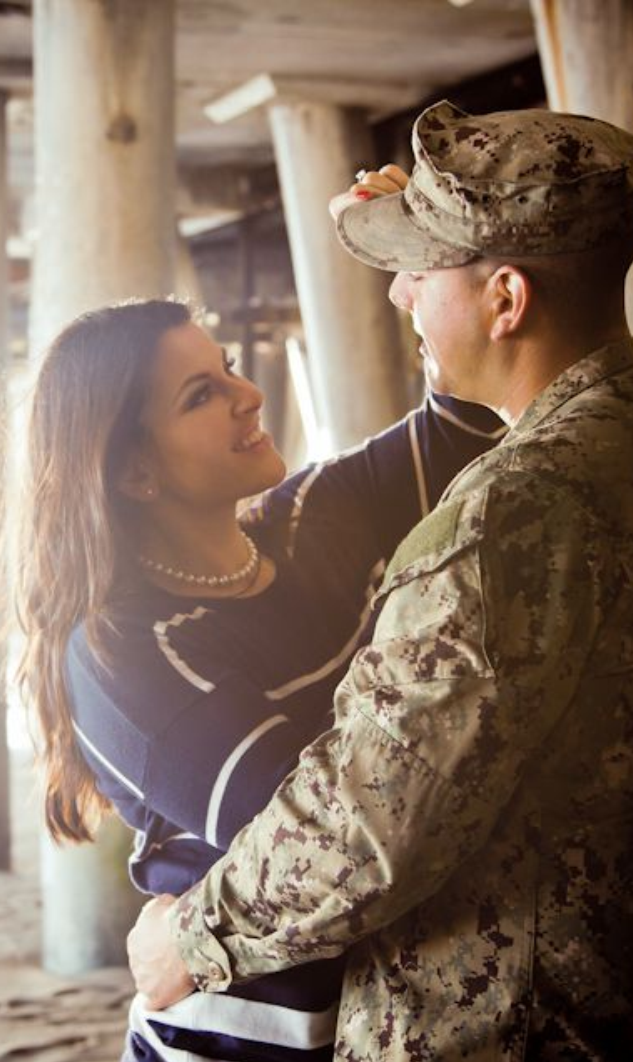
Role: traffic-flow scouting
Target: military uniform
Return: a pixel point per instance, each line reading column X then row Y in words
column 464, row 831
column 472, row 808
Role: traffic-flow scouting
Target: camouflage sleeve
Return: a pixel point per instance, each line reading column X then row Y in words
column 489, row 615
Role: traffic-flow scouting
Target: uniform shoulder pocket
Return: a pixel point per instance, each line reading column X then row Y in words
column 455, row 525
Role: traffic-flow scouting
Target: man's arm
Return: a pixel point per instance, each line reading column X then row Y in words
column 477, row 654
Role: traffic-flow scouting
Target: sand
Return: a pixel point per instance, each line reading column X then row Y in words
column 44, row 1017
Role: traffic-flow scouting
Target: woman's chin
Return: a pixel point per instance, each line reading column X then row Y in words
column 275, row 471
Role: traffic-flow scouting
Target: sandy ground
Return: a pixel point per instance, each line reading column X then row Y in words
column 43, row 1017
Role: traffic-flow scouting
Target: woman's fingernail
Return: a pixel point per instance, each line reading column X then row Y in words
column 361, row 194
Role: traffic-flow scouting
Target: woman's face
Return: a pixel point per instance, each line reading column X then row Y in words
column 204, row 447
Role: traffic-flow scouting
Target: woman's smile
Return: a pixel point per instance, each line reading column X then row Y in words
column 254, row 440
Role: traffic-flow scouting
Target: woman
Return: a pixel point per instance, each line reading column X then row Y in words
column 179, row 659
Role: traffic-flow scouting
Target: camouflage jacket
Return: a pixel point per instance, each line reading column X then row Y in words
column 465, row 828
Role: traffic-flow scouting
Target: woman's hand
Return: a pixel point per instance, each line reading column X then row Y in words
column 370, row 184
column 160, row 974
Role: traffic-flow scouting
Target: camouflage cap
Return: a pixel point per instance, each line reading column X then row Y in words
column 513, row 183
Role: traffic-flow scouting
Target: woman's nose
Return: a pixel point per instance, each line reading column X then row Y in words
column 247, row 395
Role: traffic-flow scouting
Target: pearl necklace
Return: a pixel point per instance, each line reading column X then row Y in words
column 210, row 581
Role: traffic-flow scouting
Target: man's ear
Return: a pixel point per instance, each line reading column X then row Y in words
column 136, row 479
column 510, row 290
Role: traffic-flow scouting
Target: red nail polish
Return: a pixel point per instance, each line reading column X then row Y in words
column 360, row 194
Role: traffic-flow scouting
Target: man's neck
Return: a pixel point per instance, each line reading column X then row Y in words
column 535, row 367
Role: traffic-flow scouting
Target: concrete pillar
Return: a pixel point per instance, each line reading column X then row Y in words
column 585, row 48
column 186, row 280
column 351, row 329
column 104, row 155
column 104, row 150
column 5, row 819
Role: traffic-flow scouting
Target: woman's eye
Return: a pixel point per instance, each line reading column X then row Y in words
column 229, row 363
column 199, row 396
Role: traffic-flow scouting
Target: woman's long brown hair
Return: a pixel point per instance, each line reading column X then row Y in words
column 71, row 541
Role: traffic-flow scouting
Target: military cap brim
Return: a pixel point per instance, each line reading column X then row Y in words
column 368, row 229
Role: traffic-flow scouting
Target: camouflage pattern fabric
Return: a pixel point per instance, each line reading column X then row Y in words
column 465, row 829
column 514, row 183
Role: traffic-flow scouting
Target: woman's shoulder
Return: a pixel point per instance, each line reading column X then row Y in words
column 142, row 659
column 122, row 628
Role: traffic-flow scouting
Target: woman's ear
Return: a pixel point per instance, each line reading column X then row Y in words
column 510, row 296
column 136, row 479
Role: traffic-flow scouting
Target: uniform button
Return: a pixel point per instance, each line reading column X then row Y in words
column 215, row 972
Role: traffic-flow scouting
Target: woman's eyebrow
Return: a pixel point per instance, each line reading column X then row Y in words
column 197, row 377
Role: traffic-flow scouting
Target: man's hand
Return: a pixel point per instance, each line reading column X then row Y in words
column 160, row 974
column 369, row 185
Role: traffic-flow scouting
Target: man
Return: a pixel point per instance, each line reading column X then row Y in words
column 464, row 831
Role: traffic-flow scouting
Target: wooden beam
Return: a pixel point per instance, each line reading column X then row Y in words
column 205, row 189
column 510, row 87
column 375, row 96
